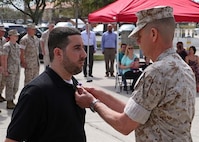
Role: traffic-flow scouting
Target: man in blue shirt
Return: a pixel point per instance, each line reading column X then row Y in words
column 109, row 47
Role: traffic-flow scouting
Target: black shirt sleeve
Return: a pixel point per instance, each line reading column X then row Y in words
column 28, row 115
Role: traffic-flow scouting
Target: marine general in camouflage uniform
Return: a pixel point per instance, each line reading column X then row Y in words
column 30, row 53
column 162, row 105
column 2, row 77
column 11, row 66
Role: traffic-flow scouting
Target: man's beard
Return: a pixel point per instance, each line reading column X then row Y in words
column 71, row 67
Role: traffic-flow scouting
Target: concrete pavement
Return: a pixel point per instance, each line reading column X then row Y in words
column 96, row 129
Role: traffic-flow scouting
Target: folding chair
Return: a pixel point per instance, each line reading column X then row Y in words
column 131, row 78
column 118, row 82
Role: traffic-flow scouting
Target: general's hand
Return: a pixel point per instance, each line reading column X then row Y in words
column 97, row 93
column 83, row 98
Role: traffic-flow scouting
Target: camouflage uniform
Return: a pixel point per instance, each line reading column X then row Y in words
column 13, row 66
column 163, row 101
column 44, row 38
column 30, row 45
column 2, row 77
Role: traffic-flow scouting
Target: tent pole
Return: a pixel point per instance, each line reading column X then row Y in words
column 87, row 68
column 117, row 85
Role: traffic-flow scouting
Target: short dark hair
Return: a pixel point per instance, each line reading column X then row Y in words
column 58, row 38
column 123, row 44
column 136, row 59
column 179, row 42
column 194, row 48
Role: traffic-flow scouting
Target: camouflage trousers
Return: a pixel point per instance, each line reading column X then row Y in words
column 2, row 82
column 12, row 85
column 30, row 73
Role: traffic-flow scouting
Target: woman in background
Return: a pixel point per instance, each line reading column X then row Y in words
column 193, row 61
column 126, row 63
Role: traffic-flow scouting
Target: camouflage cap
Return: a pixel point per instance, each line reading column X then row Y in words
column 150, row 15
column 13, row 32
column 2, row 28
column 31, row 26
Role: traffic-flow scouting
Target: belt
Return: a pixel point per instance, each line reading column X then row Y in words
column 108, row 48
column 89, row 45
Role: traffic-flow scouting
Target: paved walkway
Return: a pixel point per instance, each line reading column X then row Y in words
column 96, row 129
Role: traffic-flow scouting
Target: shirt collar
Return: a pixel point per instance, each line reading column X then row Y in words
column 166, row 53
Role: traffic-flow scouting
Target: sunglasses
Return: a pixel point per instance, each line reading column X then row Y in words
column 130, row 48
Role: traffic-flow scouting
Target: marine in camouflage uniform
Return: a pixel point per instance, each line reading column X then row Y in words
column 11, row 65
column 164, row 97
column 2, row 77
column 162, row 105
column 30, row 54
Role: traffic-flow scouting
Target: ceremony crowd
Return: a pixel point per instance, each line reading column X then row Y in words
column 51, row 106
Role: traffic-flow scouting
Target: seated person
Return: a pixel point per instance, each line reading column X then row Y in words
column 146, row 63
column 126, row 63
column 121, row 53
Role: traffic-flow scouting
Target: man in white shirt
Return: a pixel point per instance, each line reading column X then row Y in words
column 90, row 43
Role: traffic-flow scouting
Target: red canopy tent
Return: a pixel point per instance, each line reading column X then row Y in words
column 124, row 10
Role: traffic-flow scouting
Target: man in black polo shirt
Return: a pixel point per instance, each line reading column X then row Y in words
column 46, row 110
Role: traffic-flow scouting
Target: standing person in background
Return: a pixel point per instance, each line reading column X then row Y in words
column 11, row 67
column 162, row 106
column 2, row 77
column 89, row 41
column 193, row 61
column 44, row 44
column 46, row 110
column 180, row 50
column 109, row 47
column 30, row 53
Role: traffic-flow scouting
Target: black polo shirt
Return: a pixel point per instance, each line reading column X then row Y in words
column 47, row 112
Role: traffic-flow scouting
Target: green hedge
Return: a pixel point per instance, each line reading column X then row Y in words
column 98, row 57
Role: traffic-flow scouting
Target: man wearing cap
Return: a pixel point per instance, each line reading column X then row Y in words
column 2, row 78
column 11, row 67
column 30, row 53
column 109, row 47
column 161, row 108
